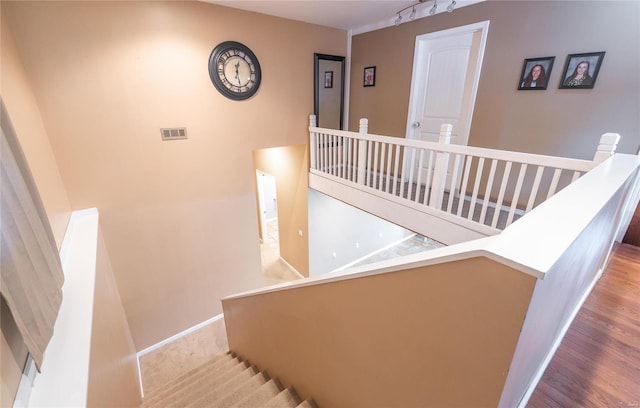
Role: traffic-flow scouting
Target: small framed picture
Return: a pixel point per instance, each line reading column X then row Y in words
column 535, row 73
column 370, row 76
column 328, row 79
column 581, row 70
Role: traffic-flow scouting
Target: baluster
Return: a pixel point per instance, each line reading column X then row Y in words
column 503, row 188
column 369, row 150
column 350, row 160
column 487, row 192
column 516, row 194
column 354, row 160
column 389, row 156
column 375, row 165
column 383, row 149
column 441, row 168
column 465, row 182
column 411, row 170
column 428, row 181
column 454, row 179
column 395, row 170
column 554, row 183
column 576, row 175
column 419, row 177
column 476, row 186
column 362, row 151
column 534, row 189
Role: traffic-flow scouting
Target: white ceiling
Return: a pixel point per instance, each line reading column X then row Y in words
column 357, row 15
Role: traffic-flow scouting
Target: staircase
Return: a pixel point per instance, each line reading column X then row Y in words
column 224, row 381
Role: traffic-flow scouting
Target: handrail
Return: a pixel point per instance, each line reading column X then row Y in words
column 488, row 187
column 523, row 157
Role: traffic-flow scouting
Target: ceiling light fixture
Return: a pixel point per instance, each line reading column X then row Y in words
column 412, row 15
column 434, row 8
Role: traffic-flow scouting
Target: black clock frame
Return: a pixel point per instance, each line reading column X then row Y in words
column 219, row 50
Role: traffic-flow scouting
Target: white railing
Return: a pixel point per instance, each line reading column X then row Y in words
column 485, row 186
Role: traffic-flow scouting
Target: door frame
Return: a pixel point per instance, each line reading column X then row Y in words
column 419, row 70
column 260, row 175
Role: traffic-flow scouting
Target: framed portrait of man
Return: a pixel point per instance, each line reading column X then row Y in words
column 535, row 73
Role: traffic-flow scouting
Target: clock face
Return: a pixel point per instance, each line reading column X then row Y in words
column 234, row 70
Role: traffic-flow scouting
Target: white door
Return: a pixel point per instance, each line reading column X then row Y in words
column 446, row 70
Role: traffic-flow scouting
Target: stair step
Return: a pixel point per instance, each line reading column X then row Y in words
column 260, row 396
column 232, row 395
column 199, row 379
column 287, row 398
column 209, row 365
column 307, row 404
column 225, row 381
column 212, row 391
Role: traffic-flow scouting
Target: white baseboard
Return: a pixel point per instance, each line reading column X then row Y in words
column 294, row 270
column 179, row 335
column 369, row 255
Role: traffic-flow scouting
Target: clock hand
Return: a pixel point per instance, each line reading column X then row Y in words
column 237, row 73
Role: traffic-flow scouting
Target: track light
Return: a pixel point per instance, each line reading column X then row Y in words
column 412, row 15
column 434, row 8
column 451, row 6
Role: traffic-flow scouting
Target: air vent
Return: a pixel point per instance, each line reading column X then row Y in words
column 173, row 133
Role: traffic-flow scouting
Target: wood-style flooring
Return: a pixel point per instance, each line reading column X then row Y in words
column 598, row 362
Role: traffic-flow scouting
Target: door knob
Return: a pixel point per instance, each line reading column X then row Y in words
column 415, row 125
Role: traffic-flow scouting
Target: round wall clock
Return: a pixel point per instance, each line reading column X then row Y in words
column 234, row 70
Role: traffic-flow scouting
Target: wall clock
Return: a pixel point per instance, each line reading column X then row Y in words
column 234, row 70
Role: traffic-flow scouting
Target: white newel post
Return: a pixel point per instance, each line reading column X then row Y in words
column 313, row 143
column 440, row 169
column 607, row 147
column 362, row 151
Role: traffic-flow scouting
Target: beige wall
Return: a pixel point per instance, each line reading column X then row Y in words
column 22, row 106
column 431, row 336
column 557, row 122
column 289, row 166
column 113, row 369
column 178, row 218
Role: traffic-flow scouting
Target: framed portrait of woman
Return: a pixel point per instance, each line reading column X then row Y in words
column 535, row 73
column 581, row 70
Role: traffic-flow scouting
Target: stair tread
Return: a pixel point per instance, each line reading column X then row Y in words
column 308, row 403
column 206, row 390
column 212, row 364
column 260, row 396
column 199, row 379
column 287, row 398
column 232, row 395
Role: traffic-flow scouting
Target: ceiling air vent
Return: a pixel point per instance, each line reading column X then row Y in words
column 173, row 133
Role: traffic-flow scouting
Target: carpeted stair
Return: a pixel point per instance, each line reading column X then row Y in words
column 225, row 381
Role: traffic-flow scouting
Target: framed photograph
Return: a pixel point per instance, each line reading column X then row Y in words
column 581, row 70
column 370, row 76
column 328, row 79
column 535, row 73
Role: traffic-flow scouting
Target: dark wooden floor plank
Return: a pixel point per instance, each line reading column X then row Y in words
column 598, row 362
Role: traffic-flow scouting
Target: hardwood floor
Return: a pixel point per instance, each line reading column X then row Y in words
column 598, row 362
